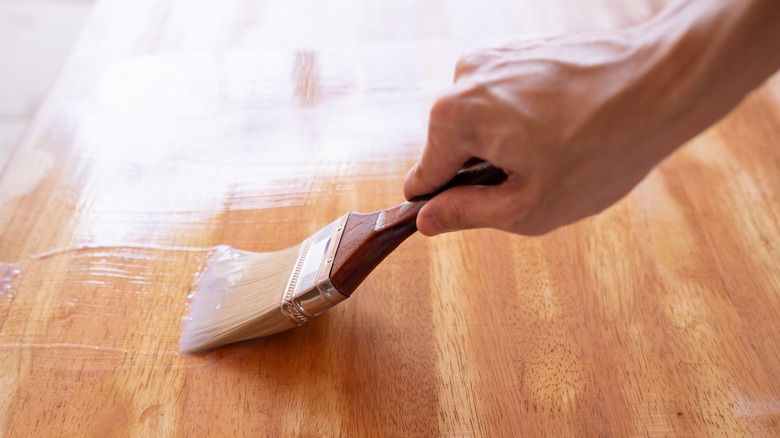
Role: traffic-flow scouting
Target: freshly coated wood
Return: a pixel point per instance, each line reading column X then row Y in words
column 369, row 238
column 176, row 126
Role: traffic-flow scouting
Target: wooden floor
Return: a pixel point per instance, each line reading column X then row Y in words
column 180, row 125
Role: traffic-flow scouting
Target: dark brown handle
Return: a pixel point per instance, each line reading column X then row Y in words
column 475, row 173
column 369, row 238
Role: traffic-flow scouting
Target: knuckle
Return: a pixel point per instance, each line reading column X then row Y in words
column 452, row 214
column 422, row 175
column 462, row 103
column 466, row 63
column 444, row 107
column 472, row 61
column 457, row 217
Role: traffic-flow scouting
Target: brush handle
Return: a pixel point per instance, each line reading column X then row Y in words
column 369, row 238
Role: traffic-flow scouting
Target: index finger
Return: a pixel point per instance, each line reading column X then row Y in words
column 449, row 146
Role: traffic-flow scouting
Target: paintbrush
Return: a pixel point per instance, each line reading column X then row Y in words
column 244, row 295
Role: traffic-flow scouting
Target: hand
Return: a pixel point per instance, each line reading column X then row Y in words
column 564, row 118
column 576, row 122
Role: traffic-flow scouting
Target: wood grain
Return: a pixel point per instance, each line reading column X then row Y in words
column 176, row 126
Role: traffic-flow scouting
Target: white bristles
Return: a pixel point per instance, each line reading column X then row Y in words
column 237, row 297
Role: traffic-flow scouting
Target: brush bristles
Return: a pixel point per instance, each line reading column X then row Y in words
column 237, row 298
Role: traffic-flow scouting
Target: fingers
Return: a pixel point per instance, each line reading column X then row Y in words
column 434, row 170
column 468, row 207
column 449, row 146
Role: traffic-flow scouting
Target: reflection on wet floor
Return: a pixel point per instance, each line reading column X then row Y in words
column 200, row 135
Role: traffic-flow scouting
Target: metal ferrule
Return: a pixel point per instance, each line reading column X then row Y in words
column 309, row 290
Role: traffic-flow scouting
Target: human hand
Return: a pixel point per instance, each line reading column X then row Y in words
column 576, row 122
column 561, row 117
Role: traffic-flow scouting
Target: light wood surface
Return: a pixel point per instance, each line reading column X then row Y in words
column 177, row 126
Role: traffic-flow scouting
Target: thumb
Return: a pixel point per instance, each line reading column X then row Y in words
column 466, row 207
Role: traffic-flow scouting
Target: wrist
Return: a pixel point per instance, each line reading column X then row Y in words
column 706, row 43
column 697, row 59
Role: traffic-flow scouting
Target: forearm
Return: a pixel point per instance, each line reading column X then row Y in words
column 704, row 56
column 737, row 37
column 577, row 121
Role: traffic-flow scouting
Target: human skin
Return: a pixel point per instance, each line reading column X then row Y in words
column 577, row 121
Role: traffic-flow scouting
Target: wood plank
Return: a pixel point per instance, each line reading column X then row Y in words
column 177, row 126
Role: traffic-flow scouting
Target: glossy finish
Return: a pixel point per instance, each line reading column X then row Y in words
column 177, row 126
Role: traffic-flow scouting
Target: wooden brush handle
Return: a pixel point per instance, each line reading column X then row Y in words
column 369, row 238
